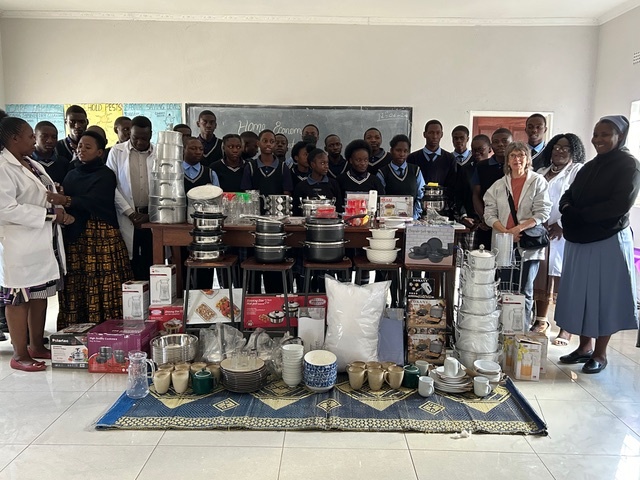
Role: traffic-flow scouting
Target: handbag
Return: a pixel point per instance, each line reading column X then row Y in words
column 531, row 238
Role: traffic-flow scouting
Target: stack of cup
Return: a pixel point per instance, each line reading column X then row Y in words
column 292, row 364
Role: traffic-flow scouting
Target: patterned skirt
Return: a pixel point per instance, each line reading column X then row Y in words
column 97, row 266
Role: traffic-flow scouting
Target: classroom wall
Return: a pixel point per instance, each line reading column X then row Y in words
column 443, row 72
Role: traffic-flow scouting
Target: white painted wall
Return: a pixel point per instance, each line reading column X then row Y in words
column 443, row 72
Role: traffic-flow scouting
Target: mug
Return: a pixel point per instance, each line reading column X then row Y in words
column 394, row 376
column 386, row 365
column 481, row 386
column 411, row 374
column 356, row 376
column 162, row 381
column 375, row 377
column 165, row 366
column 423, row 366
column 357, row 364
column 202, row 382
column 182, row 366
column 425, row 386
column 214, row 368
column 451, row 367
column 180, row 380
column 196, row 367
column 373, row 365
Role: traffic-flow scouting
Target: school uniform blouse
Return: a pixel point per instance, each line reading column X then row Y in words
column 310, row 188
column 351, row 181
column 229, row 178
column 212, row 150
column 56, row 166
column 337, row 169
column 404, row 179
column 379, row 161
column 198, row 175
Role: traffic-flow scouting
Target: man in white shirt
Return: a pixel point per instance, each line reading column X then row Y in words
column 132, row 162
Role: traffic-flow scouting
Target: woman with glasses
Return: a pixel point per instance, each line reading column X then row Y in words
column 529, row 193
column 566, row 158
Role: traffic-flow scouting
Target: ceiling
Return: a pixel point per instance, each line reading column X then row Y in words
column 372, row 12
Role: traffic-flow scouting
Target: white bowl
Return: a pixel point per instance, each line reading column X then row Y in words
column 320, row 357
column 381, row 256
column 383, row 232
column 487, row 366
column 382, row 243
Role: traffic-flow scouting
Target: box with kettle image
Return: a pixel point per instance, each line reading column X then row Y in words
column 429, row 245
column 110, row 342
column 424, row 345
column 268, row 311
column 162, row 284
column 427, row 313
column 69, row 346
column 135, row 300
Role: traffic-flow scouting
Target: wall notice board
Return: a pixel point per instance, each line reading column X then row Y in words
column 348, row 122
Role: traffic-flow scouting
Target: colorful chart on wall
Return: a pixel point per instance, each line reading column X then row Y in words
column 163, row 116
column 37, row 112
column 103, row 115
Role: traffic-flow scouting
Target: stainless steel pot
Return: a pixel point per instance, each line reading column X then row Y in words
column 480, row 323
column 478, row 306
column 206, row 252
column 167, row 214
column 167, row 189
column 471, row 275
column 481, row 259
column 310, row 205
column 479, row 342
column 270, row 239
column 167, row 177
column 167, row 201
column 479, row 290
column 325, row 233
column 207, row 237
column 265, row 254
column 168, row 151
column 208, row 221
column 165, row 167
column 324, row 252
column 276, row 316
column 169, row 136
column 264, row 225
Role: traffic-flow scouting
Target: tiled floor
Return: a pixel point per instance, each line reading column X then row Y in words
column 594, row 433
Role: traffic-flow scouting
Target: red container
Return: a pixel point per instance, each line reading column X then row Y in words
column 109, row 344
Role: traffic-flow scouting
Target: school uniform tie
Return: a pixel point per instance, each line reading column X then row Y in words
column 460, row 158
column 400, row 171
column 533, row 152
column 431, row 156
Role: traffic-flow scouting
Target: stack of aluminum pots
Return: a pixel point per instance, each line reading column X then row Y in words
column 167, row 201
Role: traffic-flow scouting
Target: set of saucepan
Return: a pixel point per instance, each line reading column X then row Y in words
column 167, row 201
column 208, row 220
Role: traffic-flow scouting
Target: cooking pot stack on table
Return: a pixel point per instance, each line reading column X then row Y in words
column 167, row 201
column 269, row 240
column 205, row 210
column 325, row 233
column 477, row 333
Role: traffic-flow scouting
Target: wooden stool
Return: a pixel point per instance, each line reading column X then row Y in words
column 343, row 265
column 249, row 266
column 361, row 263
column 226, row 262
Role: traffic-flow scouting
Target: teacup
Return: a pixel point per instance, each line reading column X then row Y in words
column 386, row 365
column 165, row 366
column 425, row 386
column 451, row 367
column 375, row 377
column 423, row 366
column 394, row 376
column 180, row 380
column 214, row 368
column 357, row 364
column 197, row 366
column 162, row 381
column 373, row 365
column 411, row 374
column 182, row 366
column 357, row 375
column 481, row 386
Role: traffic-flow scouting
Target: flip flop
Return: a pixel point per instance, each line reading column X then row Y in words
column 32, row 367
column 539, row 327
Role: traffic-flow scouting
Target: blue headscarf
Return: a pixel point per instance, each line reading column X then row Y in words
column 621, row 123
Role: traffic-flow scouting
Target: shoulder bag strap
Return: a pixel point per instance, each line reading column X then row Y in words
column 512, row 205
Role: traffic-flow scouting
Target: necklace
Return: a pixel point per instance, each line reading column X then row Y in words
column 556, row 170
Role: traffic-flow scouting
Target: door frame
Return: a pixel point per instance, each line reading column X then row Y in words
column 507, row 113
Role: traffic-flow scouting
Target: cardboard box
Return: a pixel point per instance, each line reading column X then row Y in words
column 508, row 353
column 395, row 206
column 527, row 358
column 162, row 284
column 109, row 344
column 213, row 306
column 429, row 245
column 420, row 287
column 543, row 340
column 513, row 316
column 69, row 346
column 135, row 300
column 258, row 307
column 425, row 312
column 168, row 317
column 422, row 345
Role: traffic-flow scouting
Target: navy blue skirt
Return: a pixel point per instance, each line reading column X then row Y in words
column 597, row 292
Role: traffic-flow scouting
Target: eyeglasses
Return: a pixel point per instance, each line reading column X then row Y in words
column 519, row 156
column 560, row 148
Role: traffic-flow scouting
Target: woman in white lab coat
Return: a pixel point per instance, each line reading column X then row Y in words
column 31, row 247
column 567, row 157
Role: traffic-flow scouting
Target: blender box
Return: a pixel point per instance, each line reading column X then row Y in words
column 135, row 300
column 213, row 306
column 429, row 245
column 422, row 344
column 69, row 346
column 162, row 284
column 420, row 287
column 110, row 342
column 431, row 313
column 527, row 355
column 267, row 311
column 168, row 317
column 513, row 316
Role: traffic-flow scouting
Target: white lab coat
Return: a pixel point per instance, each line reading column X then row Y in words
column 557, row 186
column 26, row 238
column 118, row 161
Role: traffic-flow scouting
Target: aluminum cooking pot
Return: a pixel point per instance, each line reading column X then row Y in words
column 169, row 136
column 270, row 239
column 479, row 290
column 266, row 254
column 479, row 342
column 478, row 306
column 481, row 259
column 325, row 233
column 324, row 252
column 471, row 275
column 168, row 201
column 480, row 323
column 206, row 252
column 165, row 188
column 167, row 214
column 168, row 151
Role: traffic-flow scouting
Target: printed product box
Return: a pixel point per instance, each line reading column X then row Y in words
column 109, row 344
column 267, row 311
column 135, row 300
column 69, row 346
column 428, row 313
column 543, row 340
column 527, row 355
column 429, row 245
column 213, row 306
column 422, row 345
column 508, row 353
column 513, row 317
column 168, row 317
column 162, row 284
column 420, row 287
column 395, row 206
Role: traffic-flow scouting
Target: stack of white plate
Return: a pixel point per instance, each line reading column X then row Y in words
column 243, row 379
column 488, row 369
column 292, row 364
column 459, row 383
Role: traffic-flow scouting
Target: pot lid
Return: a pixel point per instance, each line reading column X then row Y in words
column 323, row 221
column 196, row 247
column 481, row 252
column 208, row 215
column 325, row 244
column 206, row 233
column 204, row 192
column 270, row 247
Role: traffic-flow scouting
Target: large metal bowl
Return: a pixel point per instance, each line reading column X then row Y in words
column 175, row 348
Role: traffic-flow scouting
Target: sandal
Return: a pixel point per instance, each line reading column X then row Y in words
column 562, row 340
column 539, row 326
column 28, row 367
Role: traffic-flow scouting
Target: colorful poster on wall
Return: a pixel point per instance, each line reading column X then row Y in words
column 163, row 116
column 103, row 115
column 37, row 112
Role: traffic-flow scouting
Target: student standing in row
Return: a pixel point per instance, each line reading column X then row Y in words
column 536, row 128
column 249, row 145
column 311, row 134
column 379, row 158
column 230, row 169
column 317, row 184
column 465, row 211
column 75, row 119
column 460, row 139
column 185, row 131
column 357, row 177
column 337, row 163
column 281, row 148
column 45, row 152
column 300, row 166
column 207, row 123
column 195, row 173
